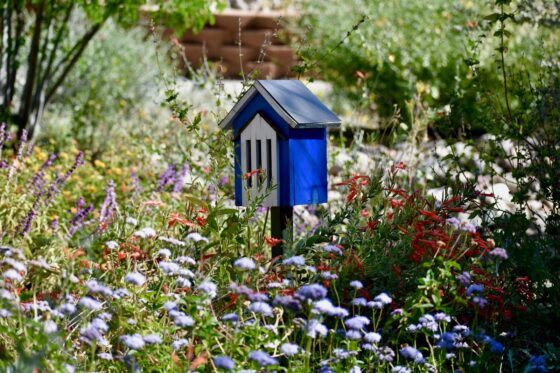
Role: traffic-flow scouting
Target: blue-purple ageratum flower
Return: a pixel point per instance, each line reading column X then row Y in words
column 135, row 278
column 261, row 307
column 152, row 339
column 289, row 349
column 326, row 307
column 413, row 354
column 312, row 291
column 90, row 303
column 134, row 341
column 209, row 288
column 245, row 264
column 315, row 329
column 498, row 252
column 262, row 358
column 475, row 288
column 464, row 278
column 224, row 362
column 296, row 261
column 356, row 322
column 356, row 284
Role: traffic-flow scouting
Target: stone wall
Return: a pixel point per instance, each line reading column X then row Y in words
column 243, row 41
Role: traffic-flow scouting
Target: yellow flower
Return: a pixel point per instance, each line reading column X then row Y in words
column 99, row 163
column 66, row 193
column 91, row 189
column 73, row 210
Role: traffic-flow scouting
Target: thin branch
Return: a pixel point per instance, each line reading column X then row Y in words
column 82, row 46
column 31, row 67
column 18, row 39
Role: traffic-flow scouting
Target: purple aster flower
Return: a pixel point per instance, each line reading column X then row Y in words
column 383, row 298
column 359, row 301
column 313, row 292
column 145, row 233
column 480, row 301
column 314, row 329
column 135, row 278
column 498, row 252
column 90, row 303
column 357, row 322
column 230, row 317
column 453, row 222
column 109, row 206
column 152, row 339
column 411, row 353
column 325, row 306
column 12, row 275
column 372, row 337
column 169, row 268
column 332, row 249
column 400, row 369
column 196, row 237
column 385, row 354
column 296, row 261
column 354, row 335
column 105, row 356
column 475, row 288
column 209, row 288
column 261, row 307
column 356, row 284
column 224, row 362
column 287, row 301
column 289, row 349
column 166, row 253
column 464, row 278
column 245, row 264
column 134, row 341
column 179, row 343
column 262, row 358
column 468, row 227
column 183, row 321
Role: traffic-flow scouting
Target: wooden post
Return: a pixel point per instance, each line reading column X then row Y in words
column 281, row 226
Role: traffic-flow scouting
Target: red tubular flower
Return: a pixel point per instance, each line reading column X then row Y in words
column 271, row 241
column 431, row 215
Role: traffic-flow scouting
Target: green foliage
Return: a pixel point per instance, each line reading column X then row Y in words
column 407, row 49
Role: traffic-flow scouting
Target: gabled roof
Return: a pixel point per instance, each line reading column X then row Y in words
column 291, row 100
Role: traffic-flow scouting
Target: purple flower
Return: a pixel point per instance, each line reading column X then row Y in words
column 262, row 358
column 498, row 252
column 359, row 301
column 328, row 276
column 209, row 288
column 167, row 177
column 332, row 249
column 411, row 353
column 95, row 287
column 468, row 227
column 100, row 325
column 224, row 362
column 178, row 187
column 326, row 307
column 289, row 349
column 105, row 356
column 372, row 337
column 230, row 317
column 475, row 288
column 109, row 205
column 385, row 354
column 179, row 343
column 314, row 328
column 166, row 253
column 134, row 341
column 169, row 268
column 480, row 301
column 296, row 261
column 13, row 275
column 261, row 307
column 356, row 284
column 183, row 320
column 313, row 292
column 287, row 301
column 464, row 278
column 428, row 322
column 354, row 335
column 400, row 369
column 196, row 237
column 90, row 303
column 245, row 264
column 441, row 316
column 357, row 322
column 135, row 278
column 145, row 233
column 152, row 339
column 383, row 298
column 454, row 222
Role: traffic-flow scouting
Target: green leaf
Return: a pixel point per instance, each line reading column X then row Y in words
column 492, row 17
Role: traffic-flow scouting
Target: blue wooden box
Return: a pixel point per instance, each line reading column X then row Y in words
column 280, row 128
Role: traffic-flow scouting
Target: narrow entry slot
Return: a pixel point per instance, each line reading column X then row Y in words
column 249, row 162
column 268, row 162
column 259, row 162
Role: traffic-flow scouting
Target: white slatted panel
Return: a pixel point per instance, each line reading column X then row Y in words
column 259, row 129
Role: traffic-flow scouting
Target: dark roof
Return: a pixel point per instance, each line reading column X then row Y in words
column 292, row 101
